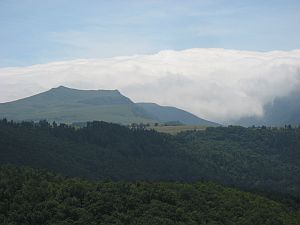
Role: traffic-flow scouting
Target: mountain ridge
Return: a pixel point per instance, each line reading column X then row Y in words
column 69, row 105
column 170, row 113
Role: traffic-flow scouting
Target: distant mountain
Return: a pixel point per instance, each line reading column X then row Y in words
column 69, row 105
column 173, row 114
column 282, row 111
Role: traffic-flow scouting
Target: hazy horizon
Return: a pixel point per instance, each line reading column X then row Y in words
column 216, row 84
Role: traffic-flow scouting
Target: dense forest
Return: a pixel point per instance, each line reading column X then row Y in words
column 35, row 197
column 257, row 159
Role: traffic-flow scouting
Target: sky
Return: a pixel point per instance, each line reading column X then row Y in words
column 221, row 60
column 35, row 31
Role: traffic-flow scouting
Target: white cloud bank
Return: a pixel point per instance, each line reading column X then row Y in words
column 215, row 84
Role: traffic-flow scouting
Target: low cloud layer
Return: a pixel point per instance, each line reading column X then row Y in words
column 215, row 84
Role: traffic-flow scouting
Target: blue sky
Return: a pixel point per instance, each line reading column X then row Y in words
column 35, row 31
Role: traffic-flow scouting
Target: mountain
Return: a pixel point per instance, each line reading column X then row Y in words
column 169, row 114
column 69, row 105
column 282, row 111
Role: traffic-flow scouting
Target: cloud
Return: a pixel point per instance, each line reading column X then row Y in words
column 215, row 84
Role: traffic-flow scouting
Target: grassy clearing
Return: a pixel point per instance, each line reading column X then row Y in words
column 177, row 129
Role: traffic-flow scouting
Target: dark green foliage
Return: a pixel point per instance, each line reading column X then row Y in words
column 98, row 151
column 259, row 159
column 265, row 159
column 33, row 197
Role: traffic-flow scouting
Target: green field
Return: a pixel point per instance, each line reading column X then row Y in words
column 176, row 129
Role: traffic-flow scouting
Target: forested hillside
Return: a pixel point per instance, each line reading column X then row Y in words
column 34, row 197
column 261, row 158
column 257, row 159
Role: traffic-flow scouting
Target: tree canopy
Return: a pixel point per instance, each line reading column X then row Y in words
column 35, row 197
column 260, row 159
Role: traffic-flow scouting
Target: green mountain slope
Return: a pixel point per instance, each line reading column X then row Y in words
column 38, row 197
column 71, row 105
column 168, row 113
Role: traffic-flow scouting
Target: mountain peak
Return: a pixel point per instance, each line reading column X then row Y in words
column 61, row 88
column 64, row 88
